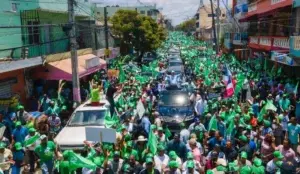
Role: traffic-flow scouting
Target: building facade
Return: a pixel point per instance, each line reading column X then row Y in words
column 150, row 11
column 204, row 29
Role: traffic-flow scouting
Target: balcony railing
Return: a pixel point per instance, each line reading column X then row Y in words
column 270, row 42
column 254, row 40
column 240, row 38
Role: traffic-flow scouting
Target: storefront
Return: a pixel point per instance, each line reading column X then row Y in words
column 12, row 88
column 289, row 65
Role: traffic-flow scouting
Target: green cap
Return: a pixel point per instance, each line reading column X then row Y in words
column 249, row 127
column 18, row 146
column 173, row 164
column 2, row 145
column 172, row 155
column 126, row 156
column 277, row 154
column 209, row 172
column 18, row 123
column 149, row 161
column 233, row 167
column 160, row 129
column 190, row 155
column 182, row 124
column 153, row 127
column 280, row 117
column 257, row 162
column 247, row 117
column 160, row 147
column 267, row 123
column 149, row 155
column 190, row 164
column 31, row 130
column 123, row 127
column 126, row 168
column 243, row 138
column 244, row 154
column 20, row 107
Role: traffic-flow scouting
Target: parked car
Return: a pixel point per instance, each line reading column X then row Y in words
column 148, row 57
column 174, row 108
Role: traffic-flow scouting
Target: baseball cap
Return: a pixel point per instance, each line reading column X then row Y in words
column 18, row 146
column 2, row 145
column 244, row 154
column 173, row 164
column 149, row 161
column 243, row 138
column 160, row 129
column 190, row 164
column 257, row 162
column 172, row 155
column 160, row 147
column 31, row 130
column 277, row 154
column 116, row 153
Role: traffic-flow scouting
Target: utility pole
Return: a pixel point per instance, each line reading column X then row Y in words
column 106, row 33
column 74, row 58
column 214, row 26
column 218, row 13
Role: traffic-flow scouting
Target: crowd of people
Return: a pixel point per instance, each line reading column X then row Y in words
column 255, row 130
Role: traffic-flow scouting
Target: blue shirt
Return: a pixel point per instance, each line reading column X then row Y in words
column 146, row 124
column 293, row 132
column 20, row 134
column 18, row 155
column 213, row 141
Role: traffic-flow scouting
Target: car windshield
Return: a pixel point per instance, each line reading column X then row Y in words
column 88, row 118
column 175, row 64
column 174, row 99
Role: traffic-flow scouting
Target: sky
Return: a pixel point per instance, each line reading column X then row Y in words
column 176, row 10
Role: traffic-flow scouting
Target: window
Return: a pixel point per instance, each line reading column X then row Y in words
column 14, row 7
column 197, row 24
column 149, row 13
column 88, row 118
column 98, row 13
column 33, row 33
column 86, row 0
column 143, row 12
column 223, row 15
column 210, row 15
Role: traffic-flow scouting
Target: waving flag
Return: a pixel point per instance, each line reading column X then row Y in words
column 227, row 78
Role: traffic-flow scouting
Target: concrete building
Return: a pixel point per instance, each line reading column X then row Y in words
column 204, row 30
column 144, row 10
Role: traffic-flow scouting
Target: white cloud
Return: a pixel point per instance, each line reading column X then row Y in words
column 177, row 10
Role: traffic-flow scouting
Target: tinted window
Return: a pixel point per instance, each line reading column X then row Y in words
column 173, row 99
column 93, row 117
column 175, row 64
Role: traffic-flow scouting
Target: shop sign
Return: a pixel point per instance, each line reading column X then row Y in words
column 13, row 101
column 282, row 58
column 93, row 62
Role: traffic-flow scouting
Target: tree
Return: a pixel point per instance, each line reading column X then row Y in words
column 136, row 32
column 187, row 26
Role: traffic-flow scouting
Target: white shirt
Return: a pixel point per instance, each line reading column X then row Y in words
column 160, row 161
column 200, row 106
column 271, row 167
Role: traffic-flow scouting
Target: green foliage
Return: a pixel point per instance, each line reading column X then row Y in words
column 187, row 26
column 137, row 32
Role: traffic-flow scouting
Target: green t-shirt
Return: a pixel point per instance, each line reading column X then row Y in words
column 95, row 95
column 46, row 153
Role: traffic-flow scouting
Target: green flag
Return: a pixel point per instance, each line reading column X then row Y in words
column 32, row 140
column 296, row 88
column 110, row 121
column 122, row 76
column 77, row 161
column 279, row 71
column 121, row 101
column 152, row 142
column 167, row 132
column 268, row 106
column 230, row 128
column 213, row 123
column 265, row 64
